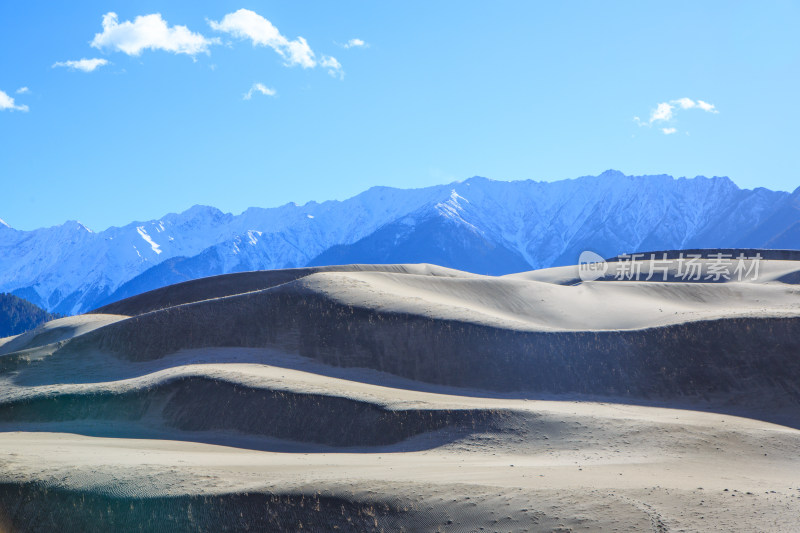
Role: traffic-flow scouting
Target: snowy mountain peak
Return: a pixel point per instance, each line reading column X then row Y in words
column 476, row 180
column 202, row 211
column 612, row 174
column 452, row 208
column 74, row 225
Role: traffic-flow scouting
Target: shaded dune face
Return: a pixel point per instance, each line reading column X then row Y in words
column 752, row 358
column 74, row 511
column 181, row 403
column 683, row 358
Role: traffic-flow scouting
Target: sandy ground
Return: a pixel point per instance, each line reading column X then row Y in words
column 260, row 438
column 611, row 467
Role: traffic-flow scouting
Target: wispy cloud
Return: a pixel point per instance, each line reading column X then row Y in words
column 7, row 103
column 23, row 90
column 246, row 24
column 355, row 43
column 333, row 66
column 259, row 88
column 148, row 32
column 665, row 112
column 85, row 65
column 688, row 103
column 705, row 106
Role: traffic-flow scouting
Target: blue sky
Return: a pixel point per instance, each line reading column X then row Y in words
column 437, row 92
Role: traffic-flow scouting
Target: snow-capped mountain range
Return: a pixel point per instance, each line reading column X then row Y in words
column 481, row 225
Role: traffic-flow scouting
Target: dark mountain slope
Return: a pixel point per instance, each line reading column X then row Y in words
column 18, row 315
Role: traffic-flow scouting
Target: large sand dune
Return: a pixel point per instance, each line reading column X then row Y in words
column 390, row 397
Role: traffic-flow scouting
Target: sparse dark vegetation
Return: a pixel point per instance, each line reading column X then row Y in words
column 18, row 315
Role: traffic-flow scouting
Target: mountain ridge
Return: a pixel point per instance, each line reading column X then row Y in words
column 479, row 224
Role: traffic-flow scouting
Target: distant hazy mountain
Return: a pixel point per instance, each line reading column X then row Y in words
column 480, row 225
column 18, row 315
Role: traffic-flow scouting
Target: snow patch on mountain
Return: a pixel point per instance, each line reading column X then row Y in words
column 155, row 247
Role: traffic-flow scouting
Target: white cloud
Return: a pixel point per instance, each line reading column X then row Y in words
column 86, row 65
column 259, row 88
column 685, row 103
column 355, row 43
column 246, row 24
column 688, row 103
column 665, row 112
column 23, row 90
column 333, row 66
column 7, row 103
column 148, row 32
column 705, row 106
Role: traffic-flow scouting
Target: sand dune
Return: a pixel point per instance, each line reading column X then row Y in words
column 56, row 331
column 411, row 397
